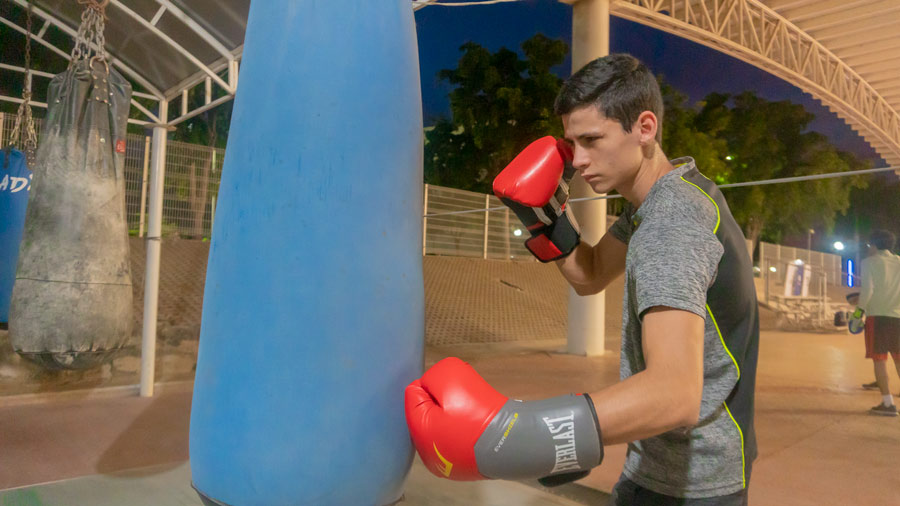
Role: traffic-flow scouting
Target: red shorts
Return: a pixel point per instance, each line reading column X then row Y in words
column 882, row 337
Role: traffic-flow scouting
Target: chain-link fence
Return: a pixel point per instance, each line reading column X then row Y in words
column 192, row 183
column 490, row 233
column 487, row 234
column 827, row 264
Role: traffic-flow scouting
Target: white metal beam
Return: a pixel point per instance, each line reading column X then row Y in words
column 819, row 8
column 174, row 45
column 847, row 53
column 861, row 39
column 779, row 5
column 40, row 40
column 22, row 70
column 891, row 88
column 144, row 95
column 217, row 66
column 43, row 29
column 853, row 28
column 201, row 109
column 16, row 100
column 884, row 65
column 127, row 70
column 884, row 77
column 158, row 15
column 199, row 30
column 43, row 105
column 754, row 33
column 865, row 59
column 866, row 11
column 137, row 105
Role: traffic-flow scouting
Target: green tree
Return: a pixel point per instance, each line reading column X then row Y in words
column 683, row 137
column 767, row 140
column 499, row 104
column 875, row 207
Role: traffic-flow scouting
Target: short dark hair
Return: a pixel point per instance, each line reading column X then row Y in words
column 882, row 239
column 619, row 85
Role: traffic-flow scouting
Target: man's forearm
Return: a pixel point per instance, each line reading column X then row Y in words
column 590, row 268
column 578, row 269
column 645, row 405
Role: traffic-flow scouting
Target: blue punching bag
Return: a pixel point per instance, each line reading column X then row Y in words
column 313, row 312
column 15, row 183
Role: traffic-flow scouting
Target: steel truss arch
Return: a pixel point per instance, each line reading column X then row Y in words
column 755, row 33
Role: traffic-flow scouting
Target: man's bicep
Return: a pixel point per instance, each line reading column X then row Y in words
column 675, row 267
column 672, row 342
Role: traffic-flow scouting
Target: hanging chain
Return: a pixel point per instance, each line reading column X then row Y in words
column 90, row 41
column 27, row 138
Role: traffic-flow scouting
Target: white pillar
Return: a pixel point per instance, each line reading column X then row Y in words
column 144, row 186
column 154, row 229
column 587, row 315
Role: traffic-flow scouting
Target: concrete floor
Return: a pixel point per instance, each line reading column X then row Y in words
column 818, row 445
column 170, row 486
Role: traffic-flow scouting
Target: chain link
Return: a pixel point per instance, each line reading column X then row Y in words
column 28, row 42
column 27, row 138
column 90, row 41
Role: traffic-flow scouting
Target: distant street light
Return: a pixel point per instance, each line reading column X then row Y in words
column 809, row 246
column 517, row 232
column 838, row 245
column 729, row 158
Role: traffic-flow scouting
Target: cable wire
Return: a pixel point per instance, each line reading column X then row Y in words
column 794, row 179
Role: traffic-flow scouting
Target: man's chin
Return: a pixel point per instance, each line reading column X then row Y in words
column 601, row 187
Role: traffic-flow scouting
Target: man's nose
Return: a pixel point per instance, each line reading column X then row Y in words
column 580, row 159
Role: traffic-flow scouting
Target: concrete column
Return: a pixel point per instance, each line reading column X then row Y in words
column 154, row 230
column 587, row 315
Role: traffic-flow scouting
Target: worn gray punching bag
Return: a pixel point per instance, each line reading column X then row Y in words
column 72, row 301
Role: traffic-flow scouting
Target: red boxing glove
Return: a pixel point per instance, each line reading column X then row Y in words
column 465, row 430
column 535, row 185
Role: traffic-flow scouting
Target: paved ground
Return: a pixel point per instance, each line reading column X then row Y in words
column 817, row 443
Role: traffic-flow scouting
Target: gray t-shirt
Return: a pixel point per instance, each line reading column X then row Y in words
column 678, row 243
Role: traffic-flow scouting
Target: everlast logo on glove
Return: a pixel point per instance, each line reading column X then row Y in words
column 566, row 460
column 487, row 435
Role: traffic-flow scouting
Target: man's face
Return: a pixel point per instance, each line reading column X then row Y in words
column 605, row 154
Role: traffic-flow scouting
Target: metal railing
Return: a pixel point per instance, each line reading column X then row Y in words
column 488, row 234
column 193, row 173
column 798, row 291
column 828, row 264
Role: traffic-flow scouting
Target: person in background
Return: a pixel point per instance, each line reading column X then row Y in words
column 880, row 298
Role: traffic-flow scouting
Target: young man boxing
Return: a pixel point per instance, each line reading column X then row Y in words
column 690, row 328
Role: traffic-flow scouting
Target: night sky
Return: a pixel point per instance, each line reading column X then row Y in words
column 691, row 68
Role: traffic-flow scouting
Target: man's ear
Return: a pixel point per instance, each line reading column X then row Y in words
column 647, row 125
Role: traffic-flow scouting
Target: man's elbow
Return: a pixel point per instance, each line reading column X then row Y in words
column 585, row 290
column 688, row 410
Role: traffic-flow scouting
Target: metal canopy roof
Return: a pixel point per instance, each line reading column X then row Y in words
column 843, row 52
column 165, row 47
column 863, row 34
